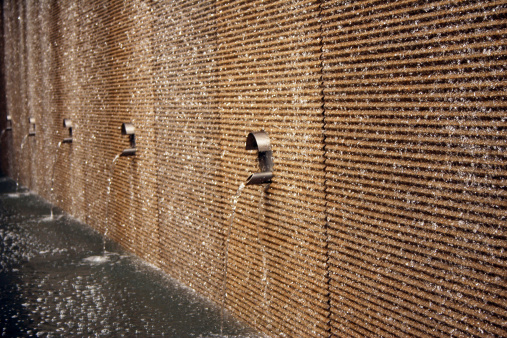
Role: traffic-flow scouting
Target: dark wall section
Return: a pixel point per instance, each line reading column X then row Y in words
column 4, row 140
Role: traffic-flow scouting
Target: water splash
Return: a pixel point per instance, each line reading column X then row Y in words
column 235, row 200
column 107, row 257
column 109, row 183
column 50, row 218
column 96, row 259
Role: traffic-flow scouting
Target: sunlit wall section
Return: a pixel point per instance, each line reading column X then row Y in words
column 93, row 138
column 416, row 167
column 109, row 83
column 190, row 209
column 54, row 38
column 71, row 159
column 269, row 75
column 32, row 96
column 131, row 215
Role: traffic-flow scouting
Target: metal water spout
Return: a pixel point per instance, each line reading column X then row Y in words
column 129, row 129
column 31, row 127
column 8, row 126
column 260, row 141
column 67, row 123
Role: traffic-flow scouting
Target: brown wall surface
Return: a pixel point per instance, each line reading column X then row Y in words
column 387, row 212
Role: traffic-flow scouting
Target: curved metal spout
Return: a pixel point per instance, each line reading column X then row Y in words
column 260, row 141
column 67, row 123
column 129, row 129
column 31, row 127
column 259, row 178
column 9, row 123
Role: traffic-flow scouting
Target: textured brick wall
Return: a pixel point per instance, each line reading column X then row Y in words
column 387, row 213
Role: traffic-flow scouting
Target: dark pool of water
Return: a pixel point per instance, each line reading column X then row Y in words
column 55, row 280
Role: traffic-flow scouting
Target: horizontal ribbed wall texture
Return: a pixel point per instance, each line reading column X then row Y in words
column 416, row 167
column 191, row 207
column 386, row 215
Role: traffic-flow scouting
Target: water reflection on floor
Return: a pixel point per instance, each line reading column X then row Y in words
column 56, row 281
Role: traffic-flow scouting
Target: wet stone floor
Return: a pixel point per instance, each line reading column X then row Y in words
column 56, row 281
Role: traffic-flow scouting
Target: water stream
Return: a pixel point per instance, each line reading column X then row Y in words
column 52, row 195
column 235, row 200
column 108, row 196
column 20, row 158
column 1, row 136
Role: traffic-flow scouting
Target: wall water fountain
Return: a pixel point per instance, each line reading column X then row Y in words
column 255, row 141
column 8, row 127
column 67, row 123
column 53, row 178
column 389, row 154
column 31, row 132
column 126, row 129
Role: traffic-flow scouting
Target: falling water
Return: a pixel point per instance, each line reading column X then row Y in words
column 1, row 136
column 53, row 179
column 226, row 255
column 23, row 142
column 109, row 183
column 20, row 153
